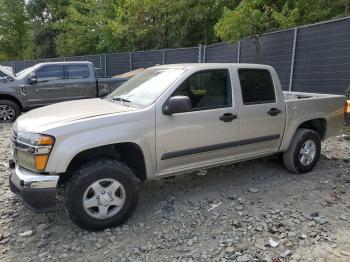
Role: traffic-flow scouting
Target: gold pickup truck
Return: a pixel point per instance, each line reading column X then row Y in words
column 167, row 120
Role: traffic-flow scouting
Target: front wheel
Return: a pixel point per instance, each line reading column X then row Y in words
column 9, row 111
column 102, row 194
column 303, row 152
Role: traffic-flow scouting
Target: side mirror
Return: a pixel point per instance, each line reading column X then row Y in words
column 177, row 104
column 32, row 79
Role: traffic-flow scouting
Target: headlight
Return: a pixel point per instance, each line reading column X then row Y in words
column 32, row 150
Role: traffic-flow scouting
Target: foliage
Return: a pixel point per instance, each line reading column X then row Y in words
column 49, row 28
column 254, row 17
column 13, row 29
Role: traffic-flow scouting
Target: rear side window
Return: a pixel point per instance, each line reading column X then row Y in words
column 50, row 73
column 257, row 86
column 77, row 72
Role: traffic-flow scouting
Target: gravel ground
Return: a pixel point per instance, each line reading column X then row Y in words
column 251, row 211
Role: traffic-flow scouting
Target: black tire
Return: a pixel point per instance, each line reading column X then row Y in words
column 291, row 158
column 14, row 106
column 87, row 175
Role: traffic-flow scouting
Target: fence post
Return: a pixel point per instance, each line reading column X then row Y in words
column 130, row 61
column 105, row 65
column 199, row 53
column 239, row 52
column 204, row 53
column 164, row 57
column 293, row 59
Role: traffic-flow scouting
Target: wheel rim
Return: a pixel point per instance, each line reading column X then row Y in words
column 307, row 152
column 7, row 113
column 104, row 198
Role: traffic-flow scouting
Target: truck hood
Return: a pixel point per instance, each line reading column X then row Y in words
column 65, row 112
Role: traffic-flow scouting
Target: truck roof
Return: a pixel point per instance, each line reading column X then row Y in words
column 212, row 65
column 65, row 63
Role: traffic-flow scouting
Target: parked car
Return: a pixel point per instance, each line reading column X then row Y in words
column 49, row 83
column 167, row 120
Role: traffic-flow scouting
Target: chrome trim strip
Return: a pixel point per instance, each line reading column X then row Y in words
column 27, row 179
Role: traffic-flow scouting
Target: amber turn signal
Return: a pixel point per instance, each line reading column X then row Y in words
column 45, row 141
column 40, row 162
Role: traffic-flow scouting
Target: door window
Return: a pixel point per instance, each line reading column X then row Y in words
column 207, row 89
column 49, row 73
column 257, row 86
column 77, row 71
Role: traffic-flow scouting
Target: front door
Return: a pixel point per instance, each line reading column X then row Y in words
column 262, row 113
column 206, row 134
column 50, row 86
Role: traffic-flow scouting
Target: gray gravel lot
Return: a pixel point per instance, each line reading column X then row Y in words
column 251, row 211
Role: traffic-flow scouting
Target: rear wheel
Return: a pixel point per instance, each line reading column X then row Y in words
column 303, row 152
column 9, row 111
column 102, row 194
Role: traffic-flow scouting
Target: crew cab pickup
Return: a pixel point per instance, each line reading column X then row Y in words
column 48, row 83
column 167, row 120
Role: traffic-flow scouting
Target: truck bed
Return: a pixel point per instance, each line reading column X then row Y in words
column 300, row 106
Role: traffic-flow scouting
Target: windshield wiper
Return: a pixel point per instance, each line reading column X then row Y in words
column 121, row 99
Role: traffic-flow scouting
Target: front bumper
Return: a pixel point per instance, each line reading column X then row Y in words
column 37, row 191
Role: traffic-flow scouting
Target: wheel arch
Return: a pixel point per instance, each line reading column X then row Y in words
column 12, row 98
column 129, row 153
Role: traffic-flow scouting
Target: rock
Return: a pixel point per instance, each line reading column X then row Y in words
column 273, row 243
column 320, row 220
column 345, row 253
column 253, row 190
column 239, row 208
column 286, row 253
column 314, row 214
column 190, row 242
column 27, row 233
column 343, row 217
column 143, row 248
column 229, row 250
column 244, row 258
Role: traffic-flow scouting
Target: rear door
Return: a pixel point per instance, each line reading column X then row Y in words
column 262, row 113
column 50, row 86
column 80, row 82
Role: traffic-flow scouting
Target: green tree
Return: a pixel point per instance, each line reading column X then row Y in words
column 13, row 29
column 46, row 16
column 85, row 29
column 254, row 17
column 149, row 24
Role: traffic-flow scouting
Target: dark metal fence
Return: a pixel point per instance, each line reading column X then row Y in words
column 312, row 58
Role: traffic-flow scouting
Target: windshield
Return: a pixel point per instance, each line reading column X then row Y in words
column 144, row 88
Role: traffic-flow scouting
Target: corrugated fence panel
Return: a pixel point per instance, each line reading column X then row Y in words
column 18, row 66
column 272, row 49
column 118, row 63
column 75, row 58
column 146, row 59
column 323, row 58
column 181, row 55
column 221, row 53
column 29, row 63
column 57, row 59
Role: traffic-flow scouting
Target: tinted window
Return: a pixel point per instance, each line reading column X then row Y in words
column 49, row 73
column 78, row 72
column 207, row 89
column 257, row 86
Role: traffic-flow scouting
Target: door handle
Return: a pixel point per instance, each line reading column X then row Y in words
column 59, row 85
column 228, row 117
column 274, row 111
